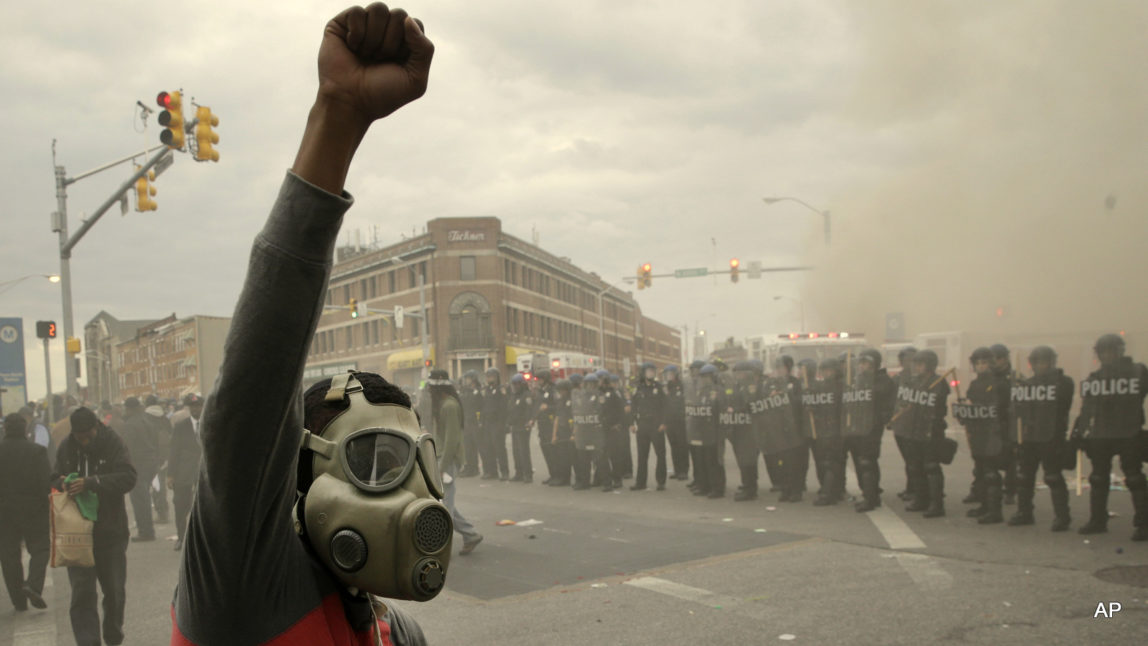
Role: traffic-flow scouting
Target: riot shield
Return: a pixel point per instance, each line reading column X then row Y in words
column 859, row 406
column 777, row 427
column 588, row 433
column 701, row 412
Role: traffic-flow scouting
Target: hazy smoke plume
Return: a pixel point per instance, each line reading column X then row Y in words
column 1029, row 143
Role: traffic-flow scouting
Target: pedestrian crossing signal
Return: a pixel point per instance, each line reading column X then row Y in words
column 45, row 329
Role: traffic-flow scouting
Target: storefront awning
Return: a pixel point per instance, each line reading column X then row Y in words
column 405, row 359
column 512, row 353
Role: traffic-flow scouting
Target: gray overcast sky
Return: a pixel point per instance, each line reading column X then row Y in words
column 624, row 132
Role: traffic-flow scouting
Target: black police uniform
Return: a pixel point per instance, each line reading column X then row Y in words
column 1040, row 406
column 739, row 420
column 493, row 419
column 985, row 417
column 867, row 406
column 613, row 418
column 648, row 405
column 705, row 437
column 1110, row 424
column 562, row 440
column 919, row 423
column 471, row 397
column 545, row 402
column 822, row 404
column 674, row 417
column 519, row 417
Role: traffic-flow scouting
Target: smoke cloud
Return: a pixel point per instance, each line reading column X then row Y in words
column 1027, row 192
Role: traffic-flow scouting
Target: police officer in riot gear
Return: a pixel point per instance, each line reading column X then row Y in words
column 1110, row 424
column 562, row 438
column 704, row 402
column 674, row 418
column 590, row 441
column 905, row 361
column 743, row 435
column 1002, row 367
column 470, row 394
column 648, row 404
column 983, row 415
column 493, row 419
column 690, row 387
column 1040, row 405
column 519, row 419
column 867, row 404
column 922, row 401
column 807, row 376
column 545, row 404
column 822, row 402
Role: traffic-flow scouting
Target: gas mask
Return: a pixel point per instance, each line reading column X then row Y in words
column 373, row 513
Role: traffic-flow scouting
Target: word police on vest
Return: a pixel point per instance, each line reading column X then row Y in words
column 1101, row 387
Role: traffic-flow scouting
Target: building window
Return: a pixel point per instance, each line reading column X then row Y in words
column 467, row 269
column 349, row 331
column 391, row 280
column 412, row 276
column 374, row 286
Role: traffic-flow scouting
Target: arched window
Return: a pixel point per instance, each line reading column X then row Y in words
column 470, row 322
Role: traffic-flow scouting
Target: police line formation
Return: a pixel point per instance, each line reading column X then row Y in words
column 836, row 409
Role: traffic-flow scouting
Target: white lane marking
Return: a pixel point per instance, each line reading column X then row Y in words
column 897, row 534
column 925, row 571
column 680, row 591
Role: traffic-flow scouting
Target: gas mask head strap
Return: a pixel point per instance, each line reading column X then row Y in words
column 342, row 385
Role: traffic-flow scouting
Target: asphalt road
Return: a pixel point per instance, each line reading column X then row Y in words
column 655, row 567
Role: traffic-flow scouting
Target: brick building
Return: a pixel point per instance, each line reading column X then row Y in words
column 490, row 297
column 101, row 336
column 171, row 357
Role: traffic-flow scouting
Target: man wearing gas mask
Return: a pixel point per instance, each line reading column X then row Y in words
column 305, row 514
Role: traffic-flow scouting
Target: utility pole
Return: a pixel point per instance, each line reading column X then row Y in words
column 60, row 226
column 48, row 379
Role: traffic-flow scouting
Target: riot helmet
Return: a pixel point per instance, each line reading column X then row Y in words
column 1042, row 358
column 576, row 379
column 871, row 356
column 927, row 359
column 1109, row 348
column 983, row 356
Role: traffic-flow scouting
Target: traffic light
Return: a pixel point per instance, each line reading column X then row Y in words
column 45, row 329
column 734, row 265
column 353, row 305
column 204, row 135
column 427, row 363
column 644, row 279
column 171, row 118
column 145, row 191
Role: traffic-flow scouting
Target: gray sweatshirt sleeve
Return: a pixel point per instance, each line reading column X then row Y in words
column 251, row 423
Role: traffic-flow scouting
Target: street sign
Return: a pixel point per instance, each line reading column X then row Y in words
column 895, row 326
column 164, row 163
column 12, row 375
column 399, row 316
column 693, row 272
column 754, row 269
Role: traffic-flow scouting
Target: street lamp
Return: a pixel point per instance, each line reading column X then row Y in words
column 800, row 303
column 9, row 284
column 823, row 214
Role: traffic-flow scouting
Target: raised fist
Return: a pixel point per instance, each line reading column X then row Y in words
column 373, row 61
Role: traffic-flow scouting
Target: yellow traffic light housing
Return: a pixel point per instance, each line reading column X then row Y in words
column 171, row 118
column 145, row 191
column 205, row 137
column 353, row 305
column 645, row 279
column 734, row 266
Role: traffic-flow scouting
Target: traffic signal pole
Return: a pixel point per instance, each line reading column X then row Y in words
column 48, row 378
column 60, row 225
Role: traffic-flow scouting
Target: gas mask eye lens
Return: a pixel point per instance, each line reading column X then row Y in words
column 377, row 459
